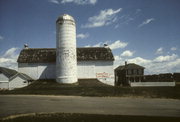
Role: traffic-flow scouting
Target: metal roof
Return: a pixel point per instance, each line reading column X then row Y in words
column 11, row 74
column 48, row 55
column 8, row 72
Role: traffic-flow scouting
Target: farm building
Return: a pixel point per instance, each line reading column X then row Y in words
column 10, row 79
column 66, row 63
column 92, row 63
column 128, row 73
column 133, row 75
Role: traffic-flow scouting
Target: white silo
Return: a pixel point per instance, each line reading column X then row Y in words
column 66, row 59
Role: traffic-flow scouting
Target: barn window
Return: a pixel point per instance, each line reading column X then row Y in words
column 129, row 72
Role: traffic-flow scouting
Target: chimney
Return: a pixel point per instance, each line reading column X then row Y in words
column 26, row 46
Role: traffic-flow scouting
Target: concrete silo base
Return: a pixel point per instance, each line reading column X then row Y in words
column 66, row 80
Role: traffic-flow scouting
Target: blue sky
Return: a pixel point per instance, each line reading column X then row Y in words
column 146, row 32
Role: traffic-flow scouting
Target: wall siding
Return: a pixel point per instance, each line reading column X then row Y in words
column 138, row 84
column 17, row 82
column 3, row 78
column 4, row 82
column 38, row 70
column 4, row 85
column 102, row 70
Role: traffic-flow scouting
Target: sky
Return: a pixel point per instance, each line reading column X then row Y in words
column 145, row 32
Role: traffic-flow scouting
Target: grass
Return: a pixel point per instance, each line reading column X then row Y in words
column 69, row 117
column 95, row 88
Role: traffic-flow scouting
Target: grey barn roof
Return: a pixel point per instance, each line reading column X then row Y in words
column 8, row 72
column 48, row 55
column 129, row 66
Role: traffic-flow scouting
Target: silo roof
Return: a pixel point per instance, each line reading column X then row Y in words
column 65, row 17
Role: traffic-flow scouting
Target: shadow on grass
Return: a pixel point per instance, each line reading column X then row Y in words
column 67, row 117
column 95, row 88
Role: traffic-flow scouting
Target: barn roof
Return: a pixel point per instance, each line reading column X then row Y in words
column 48, row 55
column 129, row 66
column 8, row 72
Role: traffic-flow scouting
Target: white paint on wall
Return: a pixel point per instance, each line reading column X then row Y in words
column 4, row 85
column 38, row 70
column 66, row 59
column 86, row 70
column 3, row 78
column 102, row 70
column 17, row 82
column 139, row 84
column 3, row 81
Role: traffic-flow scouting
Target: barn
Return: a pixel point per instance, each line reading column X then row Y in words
column 92, row 63
column 11, row 79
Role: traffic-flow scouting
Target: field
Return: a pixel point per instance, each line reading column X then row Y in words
column 95, row 88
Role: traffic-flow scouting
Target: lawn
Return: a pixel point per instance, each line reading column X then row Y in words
column 75, row 117
column 95, row 88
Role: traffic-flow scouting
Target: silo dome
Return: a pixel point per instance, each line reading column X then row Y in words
column 65, row 17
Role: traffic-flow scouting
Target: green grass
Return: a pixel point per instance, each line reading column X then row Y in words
column 95, row 88
column 67, row 117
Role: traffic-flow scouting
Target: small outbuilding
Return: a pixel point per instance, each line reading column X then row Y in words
column 11, row 79
column 128, row 73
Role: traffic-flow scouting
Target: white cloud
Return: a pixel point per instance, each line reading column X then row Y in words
column 127, row 53
column 98, row 44
column 9, row 58
column 146, row 22
column 165, row 58
column 118, row 44
column 104, row 18
column 80, row 2
column 173, row 48
column 54, row 1
column 82, row 36
column 115, row 45
column 1, row 37
column 159, row 51
column 139, row 60
column 166, row 64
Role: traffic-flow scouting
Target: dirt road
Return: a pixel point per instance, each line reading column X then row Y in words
column 20, row 104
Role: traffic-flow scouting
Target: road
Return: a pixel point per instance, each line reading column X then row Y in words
column 21, row 104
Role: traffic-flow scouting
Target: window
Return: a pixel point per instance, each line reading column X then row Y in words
column 129, row 72
column 135, row 71
column 140, row 71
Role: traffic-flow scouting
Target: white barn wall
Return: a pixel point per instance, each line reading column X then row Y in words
column 38, row 70
column 4, row 85
column 4, row 82
column 102, row 70
column 86, row 69
column 105, row 72
column 17, row 82
column 3, row 78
